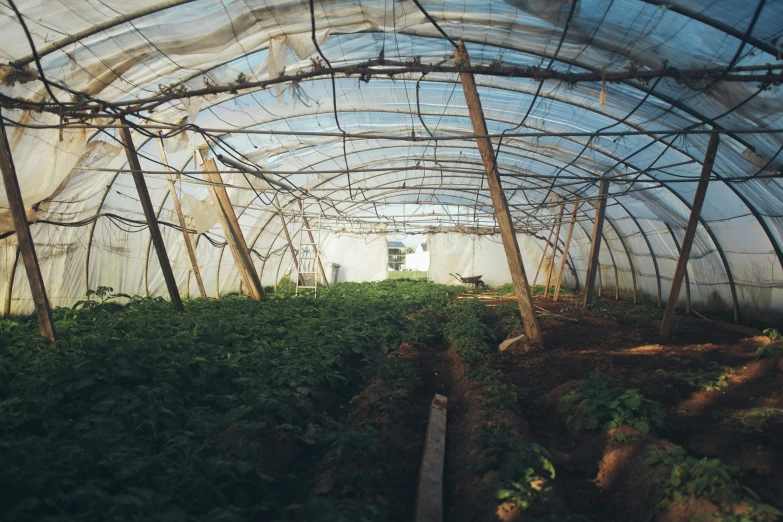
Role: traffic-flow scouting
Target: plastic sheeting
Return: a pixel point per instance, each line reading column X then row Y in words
column 90, row 230
column 471, row 255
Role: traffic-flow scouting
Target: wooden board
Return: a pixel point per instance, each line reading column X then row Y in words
column 429, row 496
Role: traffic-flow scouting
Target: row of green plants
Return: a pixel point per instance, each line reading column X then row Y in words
column 524, row 471
column 599, row 403
column 684, row 475
column 214, row 414
column 710, row 378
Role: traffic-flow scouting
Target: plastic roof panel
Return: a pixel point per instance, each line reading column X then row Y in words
column 90, row 225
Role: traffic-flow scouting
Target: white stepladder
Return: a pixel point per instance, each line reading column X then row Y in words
column 309, row 252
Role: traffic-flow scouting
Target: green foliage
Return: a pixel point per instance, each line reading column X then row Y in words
column 713, row 377
column 412, row 275
column 466, row 331
column 600, row 403
column 539, row 290
column 602, row 308
column 523, row 469
column 508, row 318
column 506, row 289
column 772, row 350
column 755, row 419
column 773, row 334
column 141, row 413
column 702, row 478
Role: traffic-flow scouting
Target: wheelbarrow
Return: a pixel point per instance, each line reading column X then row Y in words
column 470, row 282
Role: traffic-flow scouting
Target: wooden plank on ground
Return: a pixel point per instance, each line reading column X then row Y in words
column 429, row 496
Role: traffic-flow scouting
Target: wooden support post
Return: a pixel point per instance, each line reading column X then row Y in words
column 502, row 213
column 226, row 233
column 565, row 252
column 595, row 247
column 543, row 254
column 182, row 224
column 230, row 224
column 690, row 234
column 149, row 214
column 687, row 279
column 24, row 238
column 554, row 250
column 288, row 239
column 315, row 247
column 429, row 495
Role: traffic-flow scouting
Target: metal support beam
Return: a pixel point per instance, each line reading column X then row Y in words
column 499, row 202
column 182, row 224
column 554, row 251
column 149, row 214
column 595, row 247
column 570, row 232
column 24, row 238
column 228, row 220
column 690, row 234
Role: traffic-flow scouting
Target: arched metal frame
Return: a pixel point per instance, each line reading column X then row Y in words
column 680, row 106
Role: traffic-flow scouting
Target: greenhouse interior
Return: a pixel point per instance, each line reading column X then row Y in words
column 399, row 260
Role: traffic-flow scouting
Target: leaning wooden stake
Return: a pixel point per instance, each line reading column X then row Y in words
column 315, row 247
column 182, row 224
column 690, row 234
column 24, row 238
column 288, row 239
column 149, row 214
column 429, row 495
column 543, row 254
column 570, row 232
column 231, row 229
column 554, row 251
column 502, row 213
column 595, row 247
column 687, row 280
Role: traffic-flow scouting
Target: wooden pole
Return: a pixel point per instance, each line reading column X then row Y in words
column 288, row 239
column 687, row 279
column 226, row 233
column 565, row 252
column 182, row 224
column 149, row 214
column 595, row 247
column 690, row 234
column 502, row 213
column 24, row 238
column 315, row 247
column 543, row 254
column 554, row 250
column 228, row 219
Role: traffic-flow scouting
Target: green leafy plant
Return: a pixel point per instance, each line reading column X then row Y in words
column 773, row 333
column 142, row 413
column 755, row 419
column 713, row 377
column 599, row 403
column 523, row 469
column 772, row 350
column 703, row 478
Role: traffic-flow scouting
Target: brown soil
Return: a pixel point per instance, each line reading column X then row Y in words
column 390, row 481
column 627, row 348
